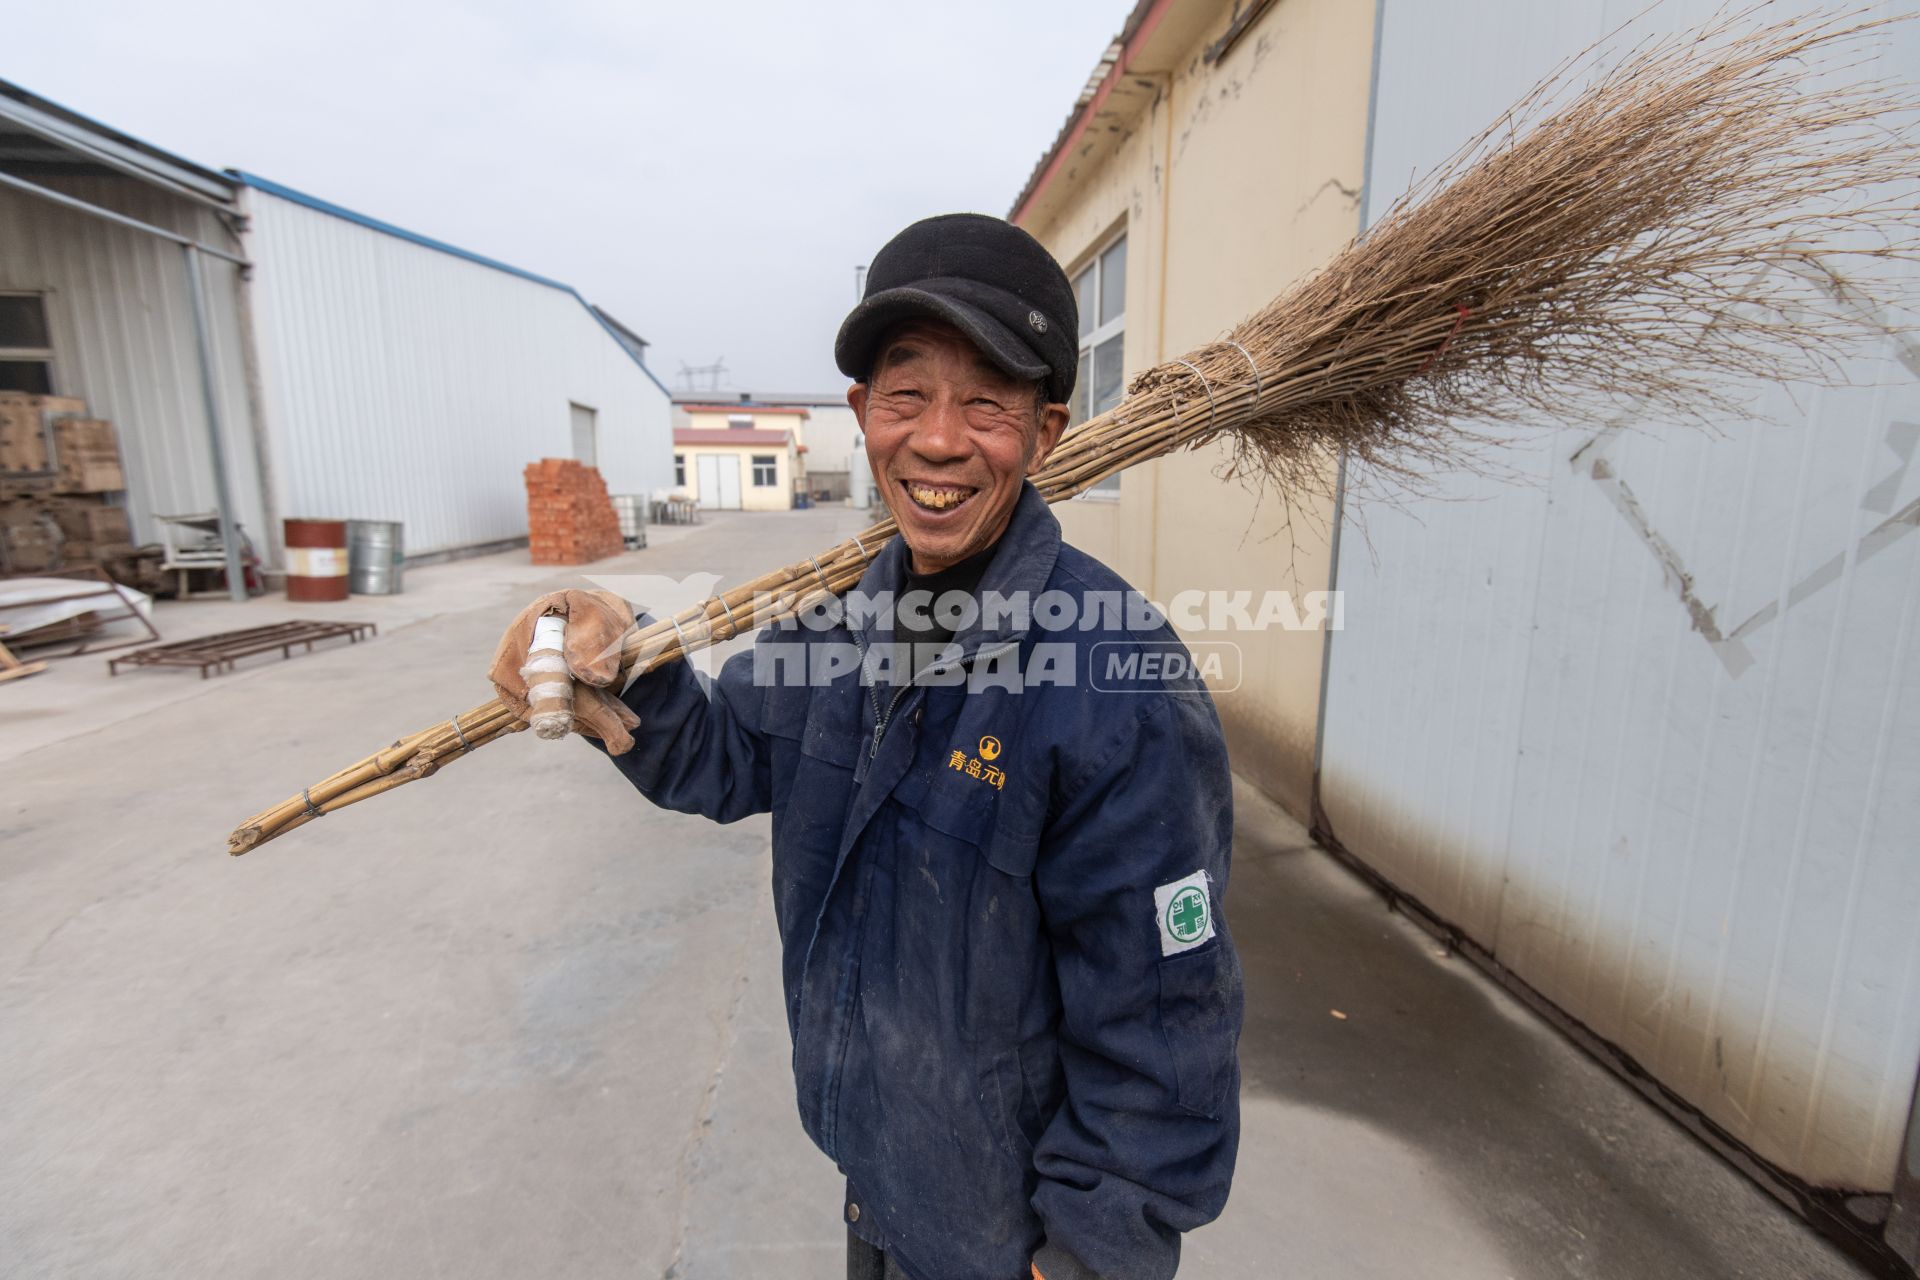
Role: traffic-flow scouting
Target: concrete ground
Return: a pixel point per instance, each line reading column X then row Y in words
column 512, row 1021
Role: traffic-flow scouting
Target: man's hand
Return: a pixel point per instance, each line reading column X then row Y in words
column 597, row 621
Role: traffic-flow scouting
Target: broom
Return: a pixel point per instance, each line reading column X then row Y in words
column 1694, row 219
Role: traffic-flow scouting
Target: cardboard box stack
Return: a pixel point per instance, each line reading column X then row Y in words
column 89, row 457
column 24, row 421
column 59, row 510
column 570, row 519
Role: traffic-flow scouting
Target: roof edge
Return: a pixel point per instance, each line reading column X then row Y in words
column 738, row 407
column 1139, row 25
column 614, row 320
column 315, row 203
column 161, row 166
column 737, row 437
column 811, row 400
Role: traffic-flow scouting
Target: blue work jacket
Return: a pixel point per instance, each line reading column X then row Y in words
column 1013, row 997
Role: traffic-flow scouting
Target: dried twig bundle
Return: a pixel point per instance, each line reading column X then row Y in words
column 1694, row 220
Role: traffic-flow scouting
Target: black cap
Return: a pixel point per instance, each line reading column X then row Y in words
column 988, row 279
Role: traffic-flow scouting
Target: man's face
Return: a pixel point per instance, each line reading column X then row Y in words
column 949, row 437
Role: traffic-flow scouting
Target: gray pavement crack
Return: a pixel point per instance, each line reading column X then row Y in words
column 695, row 1143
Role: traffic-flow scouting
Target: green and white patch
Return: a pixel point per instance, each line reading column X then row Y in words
column 1184, row 910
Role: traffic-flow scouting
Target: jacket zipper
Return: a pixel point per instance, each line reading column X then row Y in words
column 882, row 718
column 880, row 722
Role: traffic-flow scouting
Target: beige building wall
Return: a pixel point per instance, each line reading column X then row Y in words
column 1231, row 179
column 794, row 424
column 752, row 498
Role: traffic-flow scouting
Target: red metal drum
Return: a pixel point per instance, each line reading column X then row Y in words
column 316, row 559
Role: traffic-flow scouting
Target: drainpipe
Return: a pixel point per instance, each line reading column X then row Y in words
column 269, row 544
column 210, row 396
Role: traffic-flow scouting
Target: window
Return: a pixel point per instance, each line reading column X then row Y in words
column 679, row 470
column 740, row 421
column 766, row 471
column 26, row 350
column 1100, row 290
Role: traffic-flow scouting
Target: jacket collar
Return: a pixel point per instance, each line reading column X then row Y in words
column 1022, row 564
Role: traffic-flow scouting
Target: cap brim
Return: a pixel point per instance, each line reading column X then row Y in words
column 853, row 349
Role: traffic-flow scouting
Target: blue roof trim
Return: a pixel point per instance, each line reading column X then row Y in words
column 427, row 242
column 374, row 224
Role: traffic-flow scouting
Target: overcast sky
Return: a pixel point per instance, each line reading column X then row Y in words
column 711, row 174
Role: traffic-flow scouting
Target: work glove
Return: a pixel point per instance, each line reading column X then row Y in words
column 597, row 621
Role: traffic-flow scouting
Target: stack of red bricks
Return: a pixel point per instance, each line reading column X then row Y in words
column 570, row 519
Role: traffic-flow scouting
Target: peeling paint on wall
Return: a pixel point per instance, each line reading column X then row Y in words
column 1899, row 438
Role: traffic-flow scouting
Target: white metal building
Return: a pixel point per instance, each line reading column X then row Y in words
column 354, row 369
column 405, row 379
column 1645, row 727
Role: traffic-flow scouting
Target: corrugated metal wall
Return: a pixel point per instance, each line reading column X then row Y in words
column 123, row 337
column 1696, row 837
column 404, row 383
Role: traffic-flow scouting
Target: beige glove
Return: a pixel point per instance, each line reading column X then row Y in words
column 596, row 623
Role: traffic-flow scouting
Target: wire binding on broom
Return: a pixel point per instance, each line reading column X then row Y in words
column 1685, row 226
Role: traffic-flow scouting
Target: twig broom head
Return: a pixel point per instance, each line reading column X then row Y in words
column 1712, row 212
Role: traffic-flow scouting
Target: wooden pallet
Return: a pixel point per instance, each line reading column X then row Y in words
column 218, row 652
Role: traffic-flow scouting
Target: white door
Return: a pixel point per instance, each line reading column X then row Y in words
column 584, row 429
column 719, row 482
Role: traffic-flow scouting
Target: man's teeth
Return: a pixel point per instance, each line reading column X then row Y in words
column 938, row 499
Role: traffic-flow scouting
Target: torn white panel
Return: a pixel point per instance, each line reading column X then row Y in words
column 27, row 604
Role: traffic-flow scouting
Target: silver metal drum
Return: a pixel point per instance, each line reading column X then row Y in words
column 373, row 557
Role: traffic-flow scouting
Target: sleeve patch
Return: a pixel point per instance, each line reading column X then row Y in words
column 1184, row 911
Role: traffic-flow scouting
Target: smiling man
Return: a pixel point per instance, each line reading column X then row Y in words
column 997, row 866
column 953, row 471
